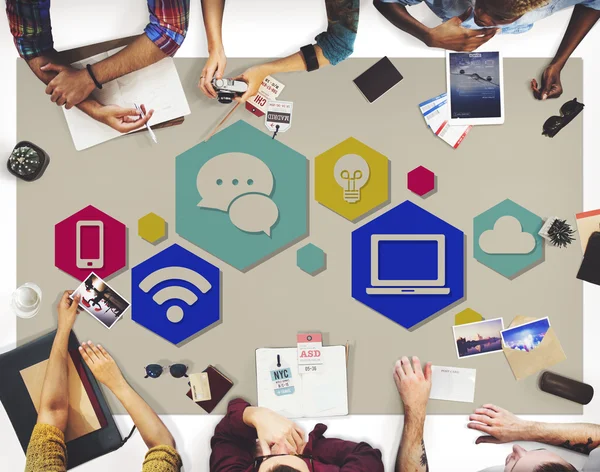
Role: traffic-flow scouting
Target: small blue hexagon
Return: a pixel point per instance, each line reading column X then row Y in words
column 514, row 258
column 175, row 294
column 311, row 259
column 242, row 196
column 408, row 264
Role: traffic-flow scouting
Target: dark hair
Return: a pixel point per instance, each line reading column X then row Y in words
column 554, row 467
column 284, row 468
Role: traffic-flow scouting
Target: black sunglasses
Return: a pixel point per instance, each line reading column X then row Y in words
column 259, row 460
column 568, row 111
column 176, row 370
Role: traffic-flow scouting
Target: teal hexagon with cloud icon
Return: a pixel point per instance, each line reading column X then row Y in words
column 241, row 196
column 506, row 239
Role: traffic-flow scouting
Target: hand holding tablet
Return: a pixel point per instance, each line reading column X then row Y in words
column 475, row 88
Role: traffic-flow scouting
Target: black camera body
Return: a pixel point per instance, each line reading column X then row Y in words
column 228, row 89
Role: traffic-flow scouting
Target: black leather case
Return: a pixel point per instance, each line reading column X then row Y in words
column 564, row 387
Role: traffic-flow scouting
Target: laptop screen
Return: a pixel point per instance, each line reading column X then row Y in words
column 397, row 260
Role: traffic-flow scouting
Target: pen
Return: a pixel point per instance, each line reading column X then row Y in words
column 142, row 114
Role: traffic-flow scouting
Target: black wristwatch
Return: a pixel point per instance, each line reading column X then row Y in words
column 310, row 57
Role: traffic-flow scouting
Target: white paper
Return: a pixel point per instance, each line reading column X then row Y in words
column 323, row 393
column 455, row 384
column 157, row 87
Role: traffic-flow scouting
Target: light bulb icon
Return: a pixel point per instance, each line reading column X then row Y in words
column 351, row 172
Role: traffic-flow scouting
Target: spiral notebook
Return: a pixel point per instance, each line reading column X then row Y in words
column 284, row 390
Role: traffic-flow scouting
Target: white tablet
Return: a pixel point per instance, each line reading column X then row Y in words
column 475, row 88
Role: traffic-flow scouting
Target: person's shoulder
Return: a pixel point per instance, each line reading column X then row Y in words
column 593, row 462
column 497, row 468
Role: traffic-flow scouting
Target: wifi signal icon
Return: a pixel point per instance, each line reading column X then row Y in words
column 175, row 313
column 175, row 294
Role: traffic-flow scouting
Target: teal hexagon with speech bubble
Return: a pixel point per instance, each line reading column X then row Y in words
column 241, row 196
column 517, row 247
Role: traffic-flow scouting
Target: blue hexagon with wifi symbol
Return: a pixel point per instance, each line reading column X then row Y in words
column 175, row 294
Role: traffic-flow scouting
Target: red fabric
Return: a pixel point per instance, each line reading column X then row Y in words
column 78, row 362
column 234, row 445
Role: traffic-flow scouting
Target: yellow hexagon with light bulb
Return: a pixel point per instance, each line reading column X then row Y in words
column 352, row 179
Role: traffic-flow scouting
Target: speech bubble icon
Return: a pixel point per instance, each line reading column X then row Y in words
column 227, row 176
column 254, row 213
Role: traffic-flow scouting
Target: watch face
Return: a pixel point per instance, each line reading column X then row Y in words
column 24, row 161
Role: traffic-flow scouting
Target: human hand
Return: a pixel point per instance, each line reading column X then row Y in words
column 453, row 36
column 102, row 365
column 254, row 77
column 275, row 432
column 67, row 311
column 551, row 86
column 214, row 67
column 500, row 424
column 70, row 86
column 121, row 119
column 414, row 385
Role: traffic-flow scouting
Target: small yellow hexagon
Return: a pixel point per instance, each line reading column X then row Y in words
column 351, row 179
column 152, row 228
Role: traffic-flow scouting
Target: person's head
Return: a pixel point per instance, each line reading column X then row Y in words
column 284, row 464
column 283, row 459
column 538, row 460
column 503, row 12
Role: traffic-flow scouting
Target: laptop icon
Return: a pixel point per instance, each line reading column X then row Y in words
column 408, row 264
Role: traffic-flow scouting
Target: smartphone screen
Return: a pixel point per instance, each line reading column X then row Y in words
column 90, row 242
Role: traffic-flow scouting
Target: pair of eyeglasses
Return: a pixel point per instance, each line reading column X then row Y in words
column 259, row 460
column 568, row 111
column 156, row 370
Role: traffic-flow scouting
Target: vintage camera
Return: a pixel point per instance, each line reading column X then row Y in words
column 228, row 89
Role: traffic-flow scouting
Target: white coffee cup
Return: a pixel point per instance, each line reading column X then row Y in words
column 26, row 300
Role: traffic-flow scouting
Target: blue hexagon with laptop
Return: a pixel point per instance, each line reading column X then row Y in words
column 176, row 294
column 242, row 196
column 506, row 239
column 408, row 264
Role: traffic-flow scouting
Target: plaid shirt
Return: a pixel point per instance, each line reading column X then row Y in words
column 30, row 25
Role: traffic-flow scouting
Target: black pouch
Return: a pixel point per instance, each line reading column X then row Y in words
column 564, row 387
column 568, row 111
column 590, row 266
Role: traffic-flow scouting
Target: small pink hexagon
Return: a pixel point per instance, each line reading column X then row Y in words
column 421, row 181
column 90, row 241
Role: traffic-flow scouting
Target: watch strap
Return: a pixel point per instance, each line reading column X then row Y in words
column 91, row 72
column 310, row 57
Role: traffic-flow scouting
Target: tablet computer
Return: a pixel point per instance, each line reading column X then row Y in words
column 475, row 88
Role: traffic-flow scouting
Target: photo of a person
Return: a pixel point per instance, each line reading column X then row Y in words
column 100, row 300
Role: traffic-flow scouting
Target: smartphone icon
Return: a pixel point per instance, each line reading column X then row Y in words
column 90, row 244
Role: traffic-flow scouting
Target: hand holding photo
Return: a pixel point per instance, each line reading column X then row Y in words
column 474, row 339
column 100, row 300
column 526, row 337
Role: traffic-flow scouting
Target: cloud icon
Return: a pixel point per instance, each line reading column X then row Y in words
column 507, row 237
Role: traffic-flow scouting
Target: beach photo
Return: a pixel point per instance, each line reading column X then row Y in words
column 475, row 339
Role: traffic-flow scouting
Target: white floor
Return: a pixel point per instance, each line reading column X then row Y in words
column 268, row 28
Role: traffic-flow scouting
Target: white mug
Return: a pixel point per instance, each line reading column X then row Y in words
column 26, row 300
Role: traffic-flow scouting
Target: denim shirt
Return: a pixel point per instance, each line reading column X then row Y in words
column 446, row 9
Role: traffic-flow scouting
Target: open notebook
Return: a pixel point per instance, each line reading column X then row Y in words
column 156, row 86
column 283, row 390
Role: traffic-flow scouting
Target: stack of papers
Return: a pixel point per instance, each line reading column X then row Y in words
column 436, row 113
column 157, row 86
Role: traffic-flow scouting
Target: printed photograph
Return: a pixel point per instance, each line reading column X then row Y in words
column 100, row 300
column 526, row 337
column 475, row 339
